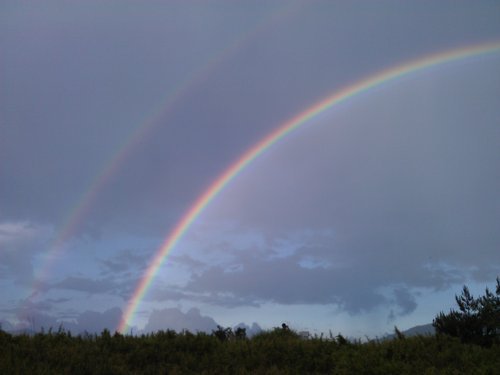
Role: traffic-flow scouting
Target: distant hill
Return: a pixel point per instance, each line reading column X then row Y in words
column 426, row 329
column 423, row 330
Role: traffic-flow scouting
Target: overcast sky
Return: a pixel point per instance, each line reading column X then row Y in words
column 116, row 115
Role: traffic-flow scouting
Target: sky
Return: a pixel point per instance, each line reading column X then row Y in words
column 116, row 116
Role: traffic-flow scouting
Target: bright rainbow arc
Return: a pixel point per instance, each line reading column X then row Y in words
column 282, row 131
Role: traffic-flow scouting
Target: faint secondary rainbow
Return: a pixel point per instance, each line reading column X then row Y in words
column 123, row 151
column 268, row 141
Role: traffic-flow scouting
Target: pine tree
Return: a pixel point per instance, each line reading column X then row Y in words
column 478, row 319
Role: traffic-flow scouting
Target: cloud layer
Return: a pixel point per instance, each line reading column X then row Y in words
column 116, row 116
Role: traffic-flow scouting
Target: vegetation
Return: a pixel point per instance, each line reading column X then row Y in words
column 466, row 343
column 276, row 351
column 477, row 321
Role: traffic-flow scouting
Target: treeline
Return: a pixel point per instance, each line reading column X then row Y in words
column 276, row 351
column 467, row 341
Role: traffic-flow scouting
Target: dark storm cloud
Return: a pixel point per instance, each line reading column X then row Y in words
column 405, row 300
column 284, row 281
column 405, row 184
column 356, row 274
column 351, row 281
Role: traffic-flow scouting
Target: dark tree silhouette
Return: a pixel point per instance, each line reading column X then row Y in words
column 240, row 333
column 223, row 334
column 476, row 321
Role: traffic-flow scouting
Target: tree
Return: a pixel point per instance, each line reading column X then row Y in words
column 478, row 319
column 240, row 333
column 223, row 334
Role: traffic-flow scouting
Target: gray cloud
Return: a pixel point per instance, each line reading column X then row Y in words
column 74, row 82
column 20, row 242
column 6, row 326
column 350, row 281
column 173, row 318
column 169, row 294
column 38, row 322
column 121, row 285
column 177, row 294
column 124, row 262
column 28, row 307
column 397, row 187
column 284, row 281
column 188, row 261
column 391, row 184
column 96, row 322
column 92, row 321
column 42, row 315
column 405, row 300
column 86, row 285
column 88, row 321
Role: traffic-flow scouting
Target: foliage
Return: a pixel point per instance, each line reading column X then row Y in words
column 467, row 342
column 275, row 351
column 477, row 321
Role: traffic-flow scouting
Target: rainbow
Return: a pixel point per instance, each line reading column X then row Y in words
column 271, row 139
column 102, row 179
